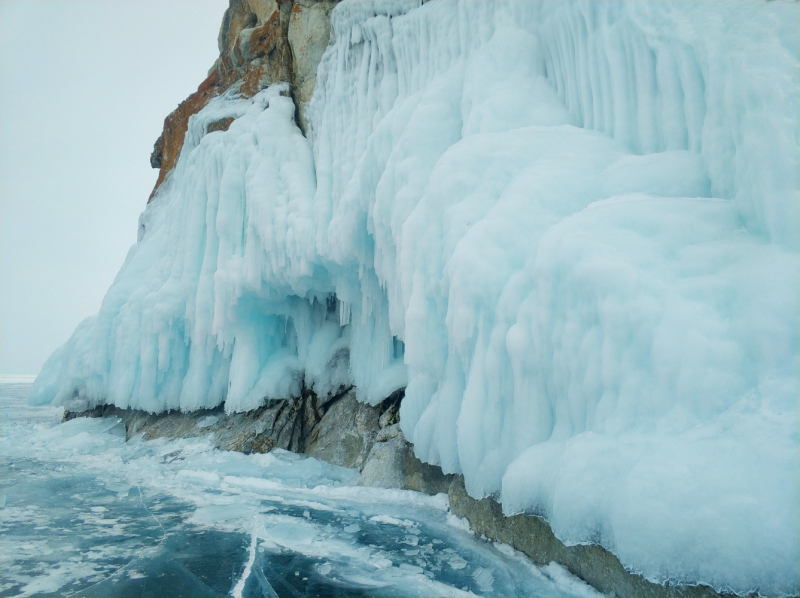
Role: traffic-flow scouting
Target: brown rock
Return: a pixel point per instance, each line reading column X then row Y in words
column 158, row 152
column 168, row 146
column 219, row 125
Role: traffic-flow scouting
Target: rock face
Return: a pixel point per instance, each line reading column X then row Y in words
column 309, row 31
column 260, row 42
column 287, row 424
column 275, row 425
column 391, row 464
column 341, row 430
column 345, row 434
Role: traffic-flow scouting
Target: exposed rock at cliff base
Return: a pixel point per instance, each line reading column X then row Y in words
column 345, row 434
column 337, row 429
column 392, row 464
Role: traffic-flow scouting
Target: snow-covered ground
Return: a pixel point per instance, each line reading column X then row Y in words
column 84, row 511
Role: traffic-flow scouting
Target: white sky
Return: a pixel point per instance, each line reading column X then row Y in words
column 84, row 89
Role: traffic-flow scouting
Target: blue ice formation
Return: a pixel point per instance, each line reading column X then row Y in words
column 570, row 230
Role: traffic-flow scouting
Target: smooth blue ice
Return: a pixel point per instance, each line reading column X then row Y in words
column 570, row 230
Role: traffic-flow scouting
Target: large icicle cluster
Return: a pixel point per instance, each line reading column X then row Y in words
column 571, row 229
column 225, row 297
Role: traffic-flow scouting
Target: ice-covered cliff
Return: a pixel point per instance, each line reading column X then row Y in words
column 570, row 230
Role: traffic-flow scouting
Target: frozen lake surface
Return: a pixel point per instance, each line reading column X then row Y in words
column 86, row 513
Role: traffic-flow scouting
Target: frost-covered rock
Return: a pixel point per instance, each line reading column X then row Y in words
column 571, row 230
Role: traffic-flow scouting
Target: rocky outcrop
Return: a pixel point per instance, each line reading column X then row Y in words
column 345, row 434
column 308, row 35
column 286, row 423
column 391, row 463
column 260, row 42
column 340, row 430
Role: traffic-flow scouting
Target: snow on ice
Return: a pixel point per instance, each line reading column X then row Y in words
column 571, row 230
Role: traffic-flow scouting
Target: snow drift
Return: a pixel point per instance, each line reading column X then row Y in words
column 570, row 230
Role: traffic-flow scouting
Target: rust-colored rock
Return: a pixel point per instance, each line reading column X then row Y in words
column 168, row 146
column 259, row 45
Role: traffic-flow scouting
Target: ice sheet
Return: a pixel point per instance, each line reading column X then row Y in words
column 182, row 518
